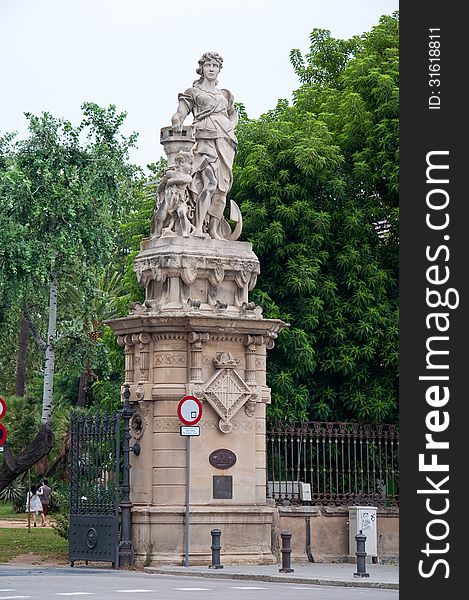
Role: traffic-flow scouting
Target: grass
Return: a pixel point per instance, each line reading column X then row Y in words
column 40, row 542
column 8, row 514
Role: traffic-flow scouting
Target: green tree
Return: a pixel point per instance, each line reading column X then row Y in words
column 318, row 187
column 63, row 192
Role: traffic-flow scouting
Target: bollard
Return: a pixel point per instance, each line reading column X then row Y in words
column 361, row 554
column 286, row 552
column 216, row 547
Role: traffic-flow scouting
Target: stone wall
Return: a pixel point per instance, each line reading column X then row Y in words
column 330, row 533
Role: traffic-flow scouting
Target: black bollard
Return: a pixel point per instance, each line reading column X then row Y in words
column 361, row 555
column 286, row 552
column 216, row 547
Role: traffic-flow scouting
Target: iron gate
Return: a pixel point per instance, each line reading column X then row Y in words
column 96, row 469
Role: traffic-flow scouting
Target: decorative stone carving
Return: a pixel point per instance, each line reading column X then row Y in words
column 183, row 274
column 224, row 360
column 260, row 426
column 214, row 148
column 236, row 426
column 174, row 204
column 137, row 425
column 167, row 424
column 226, row 391
column 261, row 363
column 140, row 391
column 139, row 420
column 251, row 343
column 127, row 342
column 170, row 359
column 196, row 341
column 136, row 308
column 250, row 408
column 143, row 346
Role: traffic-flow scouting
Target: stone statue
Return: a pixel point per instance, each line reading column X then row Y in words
column 214, row 146
column 173, row 199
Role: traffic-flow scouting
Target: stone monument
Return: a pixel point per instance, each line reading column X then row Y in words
column 198, row 334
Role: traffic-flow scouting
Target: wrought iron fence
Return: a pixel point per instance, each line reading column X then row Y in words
column 344, row 464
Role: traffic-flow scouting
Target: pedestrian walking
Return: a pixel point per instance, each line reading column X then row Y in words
column 34, row 505
column 45, row 493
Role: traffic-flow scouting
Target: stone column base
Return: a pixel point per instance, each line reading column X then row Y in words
column 158, row 534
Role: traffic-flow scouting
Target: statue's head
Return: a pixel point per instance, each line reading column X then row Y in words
column 205, row 58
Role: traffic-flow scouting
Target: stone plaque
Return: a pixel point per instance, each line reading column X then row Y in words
column 222, row 487
column 222, row 458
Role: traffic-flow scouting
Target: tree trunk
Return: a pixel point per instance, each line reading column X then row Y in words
column 22, row 355
column 82, row 385
column 14, row 465
column 50, row 353
column 85, row 379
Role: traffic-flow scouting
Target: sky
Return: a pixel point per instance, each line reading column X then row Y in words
column 139, row 54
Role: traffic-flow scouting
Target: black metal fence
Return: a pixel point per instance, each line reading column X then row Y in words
column 344, row 464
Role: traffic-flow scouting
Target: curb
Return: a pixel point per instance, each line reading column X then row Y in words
column 275, row 578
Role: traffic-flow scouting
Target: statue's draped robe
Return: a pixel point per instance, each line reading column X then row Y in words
column 215, row 142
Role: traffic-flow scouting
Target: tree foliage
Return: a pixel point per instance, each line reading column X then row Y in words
column 63, row 192
column 318, row 186
column 61, row 196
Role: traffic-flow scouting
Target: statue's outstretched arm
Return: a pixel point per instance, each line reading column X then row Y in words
column 178, row 118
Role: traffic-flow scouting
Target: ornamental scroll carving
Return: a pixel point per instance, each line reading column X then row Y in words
column 226, row 391
column 138, row 423
column 158, row 268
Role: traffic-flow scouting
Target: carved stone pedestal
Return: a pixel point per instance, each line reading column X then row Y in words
column 197, row 334
column 221, row 360
column 193, row 275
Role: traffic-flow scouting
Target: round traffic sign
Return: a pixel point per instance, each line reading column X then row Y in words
column 3, row 434
column 3, row 407
column 189, row 410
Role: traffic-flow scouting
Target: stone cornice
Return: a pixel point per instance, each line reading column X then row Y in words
column 220, row 325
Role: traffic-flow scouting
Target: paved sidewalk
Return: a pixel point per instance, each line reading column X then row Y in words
column 19, row 523
column 340, row 574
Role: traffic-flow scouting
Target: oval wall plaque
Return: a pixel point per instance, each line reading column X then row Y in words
column 222, row 458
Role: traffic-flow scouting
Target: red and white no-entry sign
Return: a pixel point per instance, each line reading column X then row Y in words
column 189, row 410
column 3, row 429
column 3, row 407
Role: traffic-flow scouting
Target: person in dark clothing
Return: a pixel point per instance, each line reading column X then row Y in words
column 45, row 494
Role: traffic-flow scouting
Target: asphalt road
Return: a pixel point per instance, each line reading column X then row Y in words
column 55, row 584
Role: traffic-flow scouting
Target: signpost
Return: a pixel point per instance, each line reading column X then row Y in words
column 3, row 429
column 189, row 413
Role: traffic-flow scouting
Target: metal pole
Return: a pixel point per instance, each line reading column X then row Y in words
column 216, row 548
column 126, row 555
column 361, row 555
column 29, row 501
column 286, row 552
column 309, row 554
column 188, row 486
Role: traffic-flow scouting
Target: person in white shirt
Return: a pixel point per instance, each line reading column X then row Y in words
column 34, row 505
